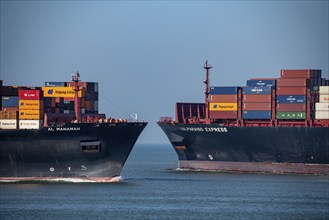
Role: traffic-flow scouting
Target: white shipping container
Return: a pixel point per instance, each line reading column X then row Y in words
column 30, row 124
column 322, row 106
column 324, row 98
column 324, row 89
column 8, row 123
column 321, row 114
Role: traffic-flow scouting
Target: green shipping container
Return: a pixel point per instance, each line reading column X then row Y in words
column 291, row 115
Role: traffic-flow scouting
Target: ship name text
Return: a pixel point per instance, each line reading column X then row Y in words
column 200, row 129
column 64, row 129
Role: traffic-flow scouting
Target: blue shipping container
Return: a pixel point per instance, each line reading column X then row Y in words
column 257, row 90
column 290, row 99
column 224, row 90
column 256, row 114
column 254, row 82
column 9, row 101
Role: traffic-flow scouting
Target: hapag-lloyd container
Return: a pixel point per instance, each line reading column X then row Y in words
column 252, row 114
column 218, row 106
column 30, row 114
column 8, row 124
column 263, row 106
column 290, row 99
column 30, row 124
column 257, row 98
column 30, row 94
column 30, row 104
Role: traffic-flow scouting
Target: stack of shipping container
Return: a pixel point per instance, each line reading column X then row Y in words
column 30, row 108
column 223, row 103
column 24, row 107
column 257, row 99
column 293, row 96
column 322, row 107
column 9, row 108
column 292, row 92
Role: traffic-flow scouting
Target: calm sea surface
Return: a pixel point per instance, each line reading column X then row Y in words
column 151, row 188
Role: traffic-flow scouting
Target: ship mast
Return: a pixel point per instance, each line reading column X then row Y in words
column 76, row 79
column 207, row 67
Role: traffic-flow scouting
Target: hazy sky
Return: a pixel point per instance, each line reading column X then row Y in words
column 148, row 55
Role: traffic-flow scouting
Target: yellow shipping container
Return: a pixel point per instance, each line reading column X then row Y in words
column 218, row 106
column 30, row 104
column 30, row 114
column 62, row 92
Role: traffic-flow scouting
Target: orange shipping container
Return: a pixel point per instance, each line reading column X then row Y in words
column 291, row 90
column 9, row 113
column 30, row 104
column 291, row 107
column 218, row 106
column 30, row 114
column 223, row 114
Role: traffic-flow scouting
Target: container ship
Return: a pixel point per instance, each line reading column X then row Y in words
column 55, row 133
column 270, row 125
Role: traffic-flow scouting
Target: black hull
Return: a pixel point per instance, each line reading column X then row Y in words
column 95, row 152
column 250, row 149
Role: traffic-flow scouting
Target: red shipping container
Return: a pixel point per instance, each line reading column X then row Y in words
column 223, row 98
column 223, row 114
column 293, row 82
column 263, row 106
column 284, row 90
column 30, row 94
column 295, row 74
column 291, row 107
column 257, row 98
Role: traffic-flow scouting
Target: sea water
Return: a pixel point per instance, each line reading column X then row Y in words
column 152, row 188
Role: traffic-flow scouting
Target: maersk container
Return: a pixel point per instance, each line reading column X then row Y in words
column 224, row 90
column 290, row 99
column 257, row 90
column 254, row 83
column 291, row 115
column 254, row 114
column 9, row 102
